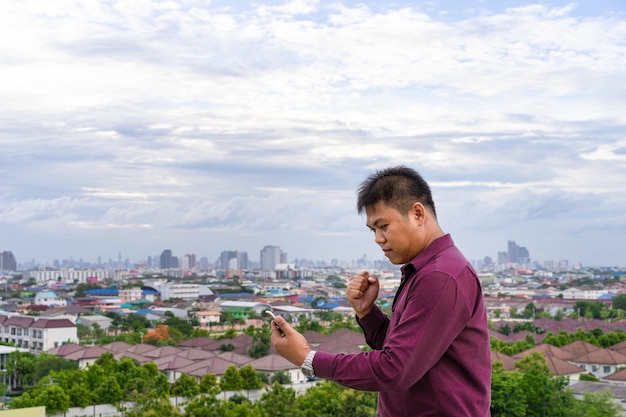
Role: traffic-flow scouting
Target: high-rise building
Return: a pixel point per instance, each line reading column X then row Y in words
column 7, row 261
column 167, row 260
column 191, row 260
column 517, row 254
column 241, row 260
column 272, row 256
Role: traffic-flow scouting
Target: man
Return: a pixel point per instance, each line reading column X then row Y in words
column 432, row 356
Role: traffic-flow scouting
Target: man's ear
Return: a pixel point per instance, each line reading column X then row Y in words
column 418, row 211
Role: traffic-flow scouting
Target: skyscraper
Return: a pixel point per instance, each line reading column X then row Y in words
column 517, row 254
column 241, row 260
column 167, row 260
column 7, row 261
column 271, row 256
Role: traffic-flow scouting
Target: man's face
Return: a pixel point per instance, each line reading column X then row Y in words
column 399, row 235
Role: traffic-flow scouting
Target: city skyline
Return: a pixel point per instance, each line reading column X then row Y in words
column 512, row 254
column 210, row 126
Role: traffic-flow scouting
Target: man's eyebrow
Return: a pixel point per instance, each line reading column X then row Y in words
column 376, row 222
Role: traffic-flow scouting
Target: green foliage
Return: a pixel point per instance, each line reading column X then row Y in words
column 588, row 377
column 595, row 404
column 54, row 398
column 507, row 397
column 186, row 386
column 209, row 385
column 261, row 344
column 231, row 380
column 250, row 378
column 279, row 401
column 544, row 394
column 183, row 327
column 282, row 377
column 22, row 366
column 85, row 286
column 619, row 302
column 109, row 391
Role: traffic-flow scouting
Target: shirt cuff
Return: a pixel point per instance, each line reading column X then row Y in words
column 373, row 319
column 323, row 364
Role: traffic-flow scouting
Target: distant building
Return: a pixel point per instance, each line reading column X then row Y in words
column 190, row 259
column 49, row 298
column 272, row 256
column 37, row 333
column 517, row 254
column 7, row 261
column 69, row 275
column 168, row 261
column 130, row 294
column 232, row 259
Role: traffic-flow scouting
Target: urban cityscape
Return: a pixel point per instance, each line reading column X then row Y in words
column 61, row 308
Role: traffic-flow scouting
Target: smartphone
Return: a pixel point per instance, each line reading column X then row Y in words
column 273, row 316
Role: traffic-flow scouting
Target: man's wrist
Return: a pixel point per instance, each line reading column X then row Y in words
column 307, row 365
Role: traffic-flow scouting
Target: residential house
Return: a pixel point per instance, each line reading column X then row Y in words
column 36, row 333
column 601, row 362
column 49, row 298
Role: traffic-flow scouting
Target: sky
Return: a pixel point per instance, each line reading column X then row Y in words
column 199, row 126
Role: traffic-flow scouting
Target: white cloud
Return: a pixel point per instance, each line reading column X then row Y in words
column 195, row 122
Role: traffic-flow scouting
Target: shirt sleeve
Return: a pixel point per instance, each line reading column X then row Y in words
column 374, row 327
column 421, row 330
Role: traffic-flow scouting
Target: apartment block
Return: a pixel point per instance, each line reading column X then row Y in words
column 35, row 333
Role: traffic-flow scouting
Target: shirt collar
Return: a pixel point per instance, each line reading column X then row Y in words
column 424, row 256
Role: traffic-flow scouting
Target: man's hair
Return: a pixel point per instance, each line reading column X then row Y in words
column 398, row 187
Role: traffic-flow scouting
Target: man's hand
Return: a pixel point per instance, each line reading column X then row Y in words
column 362, row 292
column 292, row 346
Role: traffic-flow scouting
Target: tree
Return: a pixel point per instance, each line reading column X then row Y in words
column 281, row 377
column 186, row 386
column 595, row 404
column 23, row 401
column 209, row 385
column 321, row 400
column 356, row 403
column 21, row 366
column 544, row 394
column 109, row 391
column 507, row 398
column 80, row 396
column 183, row 326
column 158, row 335
column 250, row 378
column 619, row 302
column 231, row 380
column 279, row 401
column 260, row 341
column 54, row 398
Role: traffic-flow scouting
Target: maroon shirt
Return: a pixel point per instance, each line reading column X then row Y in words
column 432, row 358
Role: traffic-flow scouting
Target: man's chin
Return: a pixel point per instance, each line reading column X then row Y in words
column 393, row 259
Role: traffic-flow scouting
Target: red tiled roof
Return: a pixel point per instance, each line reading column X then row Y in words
column 196, row 342
column 195, row 354
column 171, row 362
column 602, row 356
column 52, row 324
column 64, row 350
column 547, row 350
column 215, row 365
column 271, row 363
column 235, row 358
column 19, row 321
column 92, row 352
column 579, row 348
column 507, row 361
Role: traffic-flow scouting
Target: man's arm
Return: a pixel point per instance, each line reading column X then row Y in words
column 434, row 316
